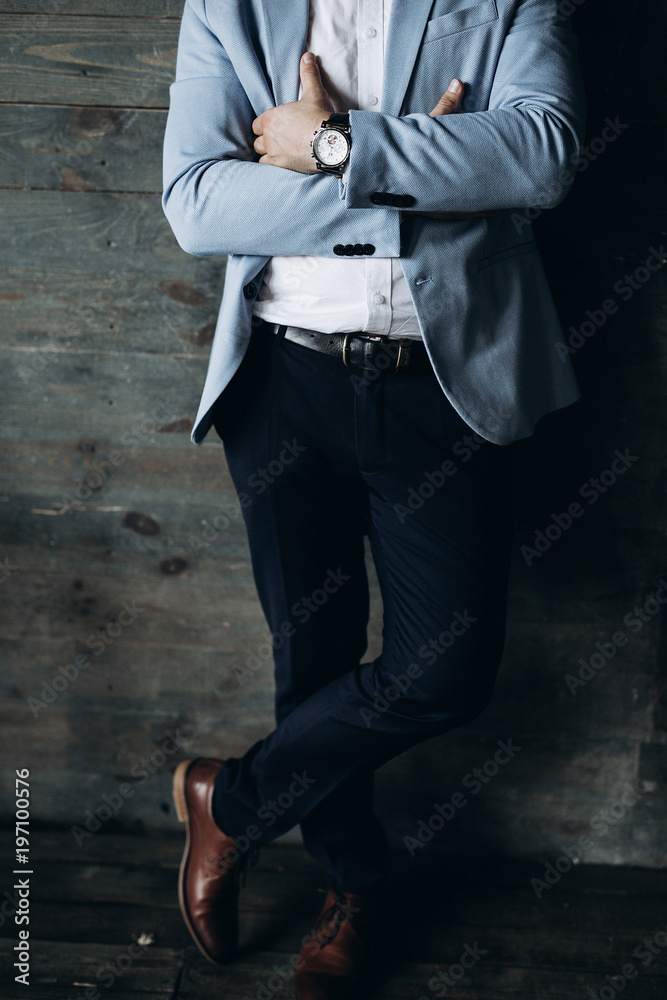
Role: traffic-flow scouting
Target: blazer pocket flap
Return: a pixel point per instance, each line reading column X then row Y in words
column 513, row 251
column 459, row 20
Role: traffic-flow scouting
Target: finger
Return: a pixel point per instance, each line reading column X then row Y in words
column 450, row 100
column 260, row 145
column 257, row 126
column 311, row 80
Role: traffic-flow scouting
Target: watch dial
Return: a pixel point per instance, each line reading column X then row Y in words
column 331, row 147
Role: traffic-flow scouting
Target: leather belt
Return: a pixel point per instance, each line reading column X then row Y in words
column 381, row 354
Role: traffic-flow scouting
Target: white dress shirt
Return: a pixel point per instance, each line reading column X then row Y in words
column 335, row 294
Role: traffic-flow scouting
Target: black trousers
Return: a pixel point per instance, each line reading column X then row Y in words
column 322, row 456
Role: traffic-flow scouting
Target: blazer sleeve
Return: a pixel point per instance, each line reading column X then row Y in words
column 217, row 198
column 521, row 152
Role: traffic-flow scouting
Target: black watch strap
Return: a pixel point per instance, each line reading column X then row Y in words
column 340, row 118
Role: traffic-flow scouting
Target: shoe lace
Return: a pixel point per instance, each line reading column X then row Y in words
column 330, row 920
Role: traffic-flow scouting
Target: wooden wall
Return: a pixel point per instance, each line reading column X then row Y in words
column 106, row 505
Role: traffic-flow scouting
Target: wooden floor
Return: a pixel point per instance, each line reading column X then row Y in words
column 89, row 904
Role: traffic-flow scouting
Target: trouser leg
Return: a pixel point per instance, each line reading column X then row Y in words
column 440, row 529
column 308, row 565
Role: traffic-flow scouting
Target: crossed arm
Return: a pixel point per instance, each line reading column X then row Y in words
column 284, row 133
column 220, row 200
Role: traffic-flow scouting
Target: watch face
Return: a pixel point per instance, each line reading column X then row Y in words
column 331, row 147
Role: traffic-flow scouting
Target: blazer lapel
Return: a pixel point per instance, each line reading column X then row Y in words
column 285, row 24
column 286, row 33
column 406, row 28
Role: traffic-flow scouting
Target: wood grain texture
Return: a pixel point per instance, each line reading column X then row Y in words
column 88, row 906
column 83, row 148
column 112, row 61
column 94, row 8
column 106, row 331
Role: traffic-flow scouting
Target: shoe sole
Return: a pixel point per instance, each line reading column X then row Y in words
column 181, row 804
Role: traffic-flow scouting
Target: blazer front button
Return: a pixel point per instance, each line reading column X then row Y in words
column 250, row 290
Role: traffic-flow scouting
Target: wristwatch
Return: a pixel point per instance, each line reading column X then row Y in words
column 331, row 144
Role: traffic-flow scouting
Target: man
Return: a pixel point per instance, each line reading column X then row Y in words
column 386, row 333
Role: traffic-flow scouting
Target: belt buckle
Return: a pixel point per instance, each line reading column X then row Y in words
column 379, row 339
column 400, row 355
column 346, row 352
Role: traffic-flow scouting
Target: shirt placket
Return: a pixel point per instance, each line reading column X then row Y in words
column 370, row 48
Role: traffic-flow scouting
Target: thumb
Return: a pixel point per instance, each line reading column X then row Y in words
column 311, row 81
column 450, row 100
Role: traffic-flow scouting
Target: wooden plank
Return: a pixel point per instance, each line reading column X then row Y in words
column 293, row 885
column 489, row 902
column 589, row 773
column 140, row 967
column 17, row 991
column 69, row 882
column 82, row 148
column 160, row 427
column 113, row 924
column 123, row 678
column 86, row 611
column 88, row 392
column 47, row 316
column 88, row 8
column 151, row 459
column 90, row 232
column 408, row 980
column 104, row 61
column 154, row 620
column 588, row 782
column 515, row 930
column 164, row 849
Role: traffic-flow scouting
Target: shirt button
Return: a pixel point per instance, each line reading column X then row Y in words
column 372, row 100
column 371, row 32
column 378, row 299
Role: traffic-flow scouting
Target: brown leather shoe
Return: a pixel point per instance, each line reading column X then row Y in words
column 334, row 957
column 208, row 880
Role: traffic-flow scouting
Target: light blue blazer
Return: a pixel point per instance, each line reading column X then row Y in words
column 478, row 286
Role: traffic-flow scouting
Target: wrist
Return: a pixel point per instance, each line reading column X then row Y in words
column 331, row 143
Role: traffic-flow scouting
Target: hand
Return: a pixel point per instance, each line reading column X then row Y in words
column 284, row 133
column 449, row 104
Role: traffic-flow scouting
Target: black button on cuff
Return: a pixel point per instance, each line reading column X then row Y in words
column 393, row 200
column 354, row 249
